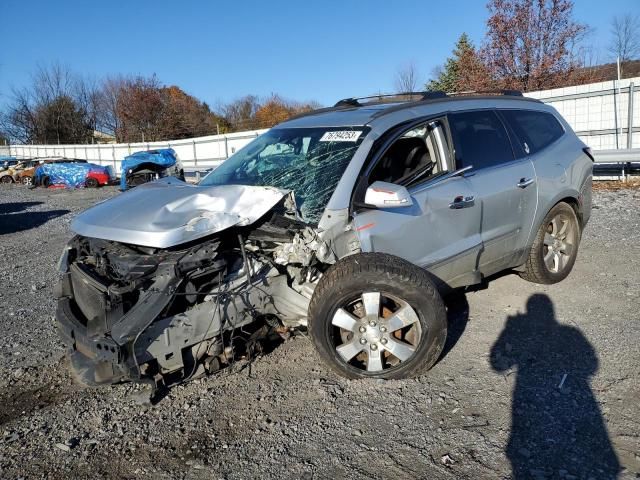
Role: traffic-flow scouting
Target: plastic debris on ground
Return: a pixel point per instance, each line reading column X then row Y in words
column 165, row 158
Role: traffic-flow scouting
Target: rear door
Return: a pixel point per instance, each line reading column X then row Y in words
column 441, row 230
column 505, row 187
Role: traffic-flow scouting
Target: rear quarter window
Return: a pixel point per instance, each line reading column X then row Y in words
column 535, row 130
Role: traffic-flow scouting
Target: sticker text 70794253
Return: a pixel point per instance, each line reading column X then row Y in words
column 341, row 136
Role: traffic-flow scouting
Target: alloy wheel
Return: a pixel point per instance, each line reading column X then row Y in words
column 559, row 242
column 376, row 332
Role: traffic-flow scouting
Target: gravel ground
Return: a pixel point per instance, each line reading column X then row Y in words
column 536, row 381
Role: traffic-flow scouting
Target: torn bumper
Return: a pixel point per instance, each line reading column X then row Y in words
column 96, row 359
column 107, row 345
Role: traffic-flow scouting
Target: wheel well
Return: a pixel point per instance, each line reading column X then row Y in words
column 573, row 202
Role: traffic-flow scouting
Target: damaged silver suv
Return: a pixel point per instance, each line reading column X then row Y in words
column 348, row 220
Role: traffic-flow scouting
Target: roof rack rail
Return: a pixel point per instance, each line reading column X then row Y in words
column 348, row 102
column 355, row 102
column 506, row 92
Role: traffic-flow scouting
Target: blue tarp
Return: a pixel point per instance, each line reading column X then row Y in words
column 165, row 158
column 69, row 174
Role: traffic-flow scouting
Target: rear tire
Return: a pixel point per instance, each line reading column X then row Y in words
column 27, row 181
column 91, row 183
column 6, row 179
column 555, row 247
column 374, row 315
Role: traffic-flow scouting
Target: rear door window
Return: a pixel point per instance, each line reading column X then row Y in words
column 480, row 139
column 535, row 130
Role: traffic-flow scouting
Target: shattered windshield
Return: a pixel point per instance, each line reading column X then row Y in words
column 309, row 161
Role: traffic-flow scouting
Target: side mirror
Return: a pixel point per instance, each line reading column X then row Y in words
column 387, row 195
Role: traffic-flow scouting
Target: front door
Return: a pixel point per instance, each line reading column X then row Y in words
column 441, row 230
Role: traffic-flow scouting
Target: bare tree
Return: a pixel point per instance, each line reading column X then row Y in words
column 54, row 108
column 87, row 97
column 241, row 113
column 59, row 106
column 109, row 100
column 625, row 41
column 406, row 78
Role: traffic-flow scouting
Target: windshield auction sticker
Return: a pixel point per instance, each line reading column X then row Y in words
column 341, row 136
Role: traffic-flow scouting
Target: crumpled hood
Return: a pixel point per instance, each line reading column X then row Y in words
column 169, row 212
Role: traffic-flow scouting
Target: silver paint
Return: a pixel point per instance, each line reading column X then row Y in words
column 170, row 212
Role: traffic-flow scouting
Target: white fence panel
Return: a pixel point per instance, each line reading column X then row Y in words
column 195, row 153
column 600, row 113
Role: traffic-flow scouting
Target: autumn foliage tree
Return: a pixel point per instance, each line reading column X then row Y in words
column 531, row 44
column 141, row 108
column 250, row 112
column 185, row 116
column 276, row 109
column 62, row 107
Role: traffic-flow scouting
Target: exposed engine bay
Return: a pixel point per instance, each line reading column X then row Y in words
column 145, row 173
column 164, row 315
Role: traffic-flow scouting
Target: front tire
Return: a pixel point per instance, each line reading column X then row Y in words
column 555, row 247
column 374, row 315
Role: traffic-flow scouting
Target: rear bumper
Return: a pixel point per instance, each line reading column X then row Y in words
column 584, row 200
column 101, row 178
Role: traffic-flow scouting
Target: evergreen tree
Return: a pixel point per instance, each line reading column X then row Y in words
column 462, row 71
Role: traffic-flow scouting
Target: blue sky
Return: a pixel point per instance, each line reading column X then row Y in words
column 219, row 51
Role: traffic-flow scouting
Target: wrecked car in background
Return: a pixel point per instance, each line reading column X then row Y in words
column 7, row 173
column 348, row 220
column 73, row 175
column 143, row 167
column 24, row 171
column 19, row 172
column 7, row 161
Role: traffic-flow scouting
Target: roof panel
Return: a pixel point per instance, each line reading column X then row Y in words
column 365, row 115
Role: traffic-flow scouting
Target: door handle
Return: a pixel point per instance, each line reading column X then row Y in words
column 462, row 202
column 525, row 182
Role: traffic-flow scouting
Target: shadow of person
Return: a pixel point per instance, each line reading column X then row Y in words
column 457, row 319
column 14, row 207
column 556, row 425
column 18, row 222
